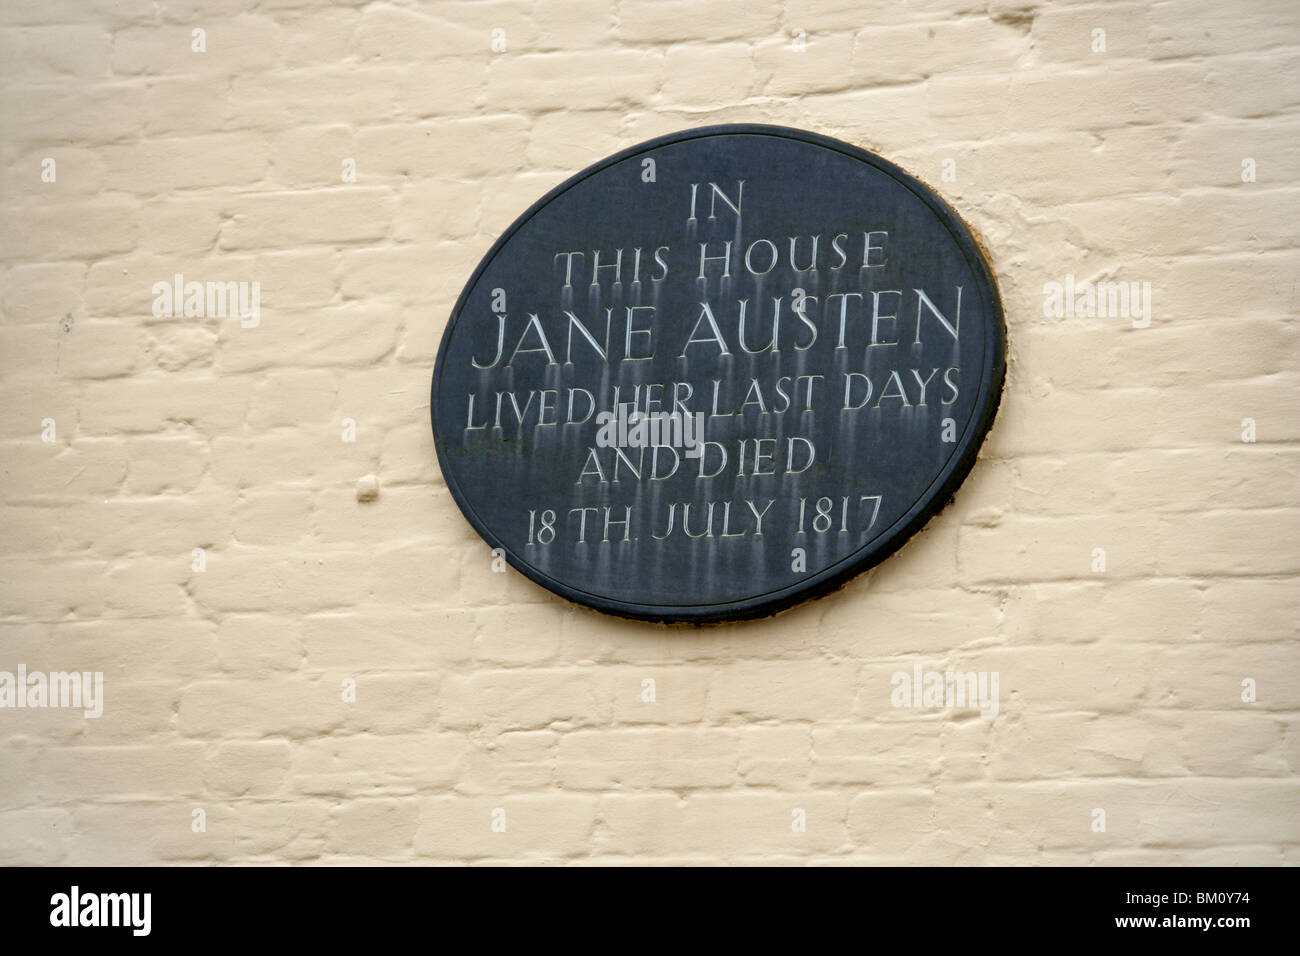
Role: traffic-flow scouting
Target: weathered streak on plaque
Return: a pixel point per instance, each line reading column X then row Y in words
column 712, row 386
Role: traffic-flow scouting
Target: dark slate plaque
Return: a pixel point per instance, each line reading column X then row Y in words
column 717, row 374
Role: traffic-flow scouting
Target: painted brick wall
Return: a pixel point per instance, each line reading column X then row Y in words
column 128, row 440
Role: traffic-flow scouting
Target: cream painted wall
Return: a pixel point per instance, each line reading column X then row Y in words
column 1121, row 690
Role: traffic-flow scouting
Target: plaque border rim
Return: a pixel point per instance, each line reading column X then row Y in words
column 937, row 495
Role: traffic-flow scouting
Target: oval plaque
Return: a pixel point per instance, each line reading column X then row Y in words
column 717, row 374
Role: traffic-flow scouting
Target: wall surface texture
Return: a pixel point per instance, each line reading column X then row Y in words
column 182, row 510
